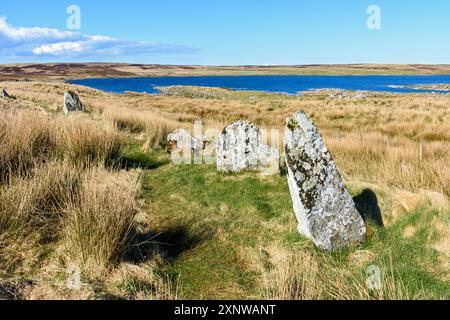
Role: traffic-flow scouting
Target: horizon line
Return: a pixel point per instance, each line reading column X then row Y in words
column 233, row 65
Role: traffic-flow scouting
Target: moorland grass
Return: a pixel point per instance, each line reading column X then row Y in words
column 99, row 191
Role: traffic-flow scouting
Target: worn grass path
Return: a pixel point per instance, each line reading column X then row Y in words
column 216, row 232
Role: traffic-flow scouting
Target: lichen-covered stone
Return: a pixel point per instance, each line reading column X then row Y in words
column 240, row 147
column 72, row 103
column 181, row 138
column 269, row 160
column 183, row 146
column 323, row 206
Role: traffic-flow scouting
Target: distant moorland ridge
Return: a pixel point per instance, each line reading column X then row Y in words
column 64, row 71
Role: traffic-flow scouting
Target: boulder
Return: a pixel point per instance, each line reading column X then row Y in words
column 72, row 103
column 181, row 144
column 324, row 208
column 181, row 139
column 240, row 147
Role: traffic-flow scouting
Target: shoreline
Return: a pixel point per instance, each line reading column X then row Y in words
column 383, row 89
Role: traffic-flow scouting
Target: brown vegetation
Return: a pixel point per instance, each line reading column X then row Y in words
column 65, row 71
column 64, row 197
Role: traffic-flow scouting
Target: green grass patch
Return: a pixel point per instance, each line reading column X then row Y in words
column 219, row 222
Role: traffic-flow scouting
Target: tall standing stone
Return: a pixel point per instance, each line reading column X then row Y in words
column 240, row 147
column 72, row 102
column 323, row 206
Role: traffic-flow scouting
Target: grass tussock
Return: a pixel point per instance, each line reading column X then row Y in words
column 141, row 282
column 30, row 212
column 89, row 211
column 29, row 137
column 98, row 220
column 316, row 276
column 291, row 277
column 88, row 142
column 25, row 138
column 153, row 125
column 35, row 201
column 62, row 201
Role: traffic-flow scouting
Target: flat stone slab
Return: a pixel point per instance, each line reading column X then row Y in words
column 324, row 208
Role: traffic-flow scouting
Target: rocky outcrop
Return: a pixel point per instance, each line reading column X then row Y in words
column 323, row 206
column 240, row 147
column 72, row 103
column 194, row 92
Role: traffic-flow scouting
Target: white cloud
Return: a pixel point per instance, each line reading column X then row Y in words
column 100, row 38
column 59, row 48
column 53, row 43
column 36, row 33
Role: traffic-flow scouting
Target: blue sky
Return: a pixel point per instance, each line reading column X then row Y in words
column 227, row 32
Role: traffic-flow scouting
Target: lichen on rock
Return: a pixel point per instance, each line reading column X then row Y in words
column 184, row 147
column 323, row 206
column 72, row 103
column 240, row 147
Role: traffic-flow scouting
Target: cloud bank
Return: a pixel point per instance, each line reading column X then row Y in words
column 49, row 43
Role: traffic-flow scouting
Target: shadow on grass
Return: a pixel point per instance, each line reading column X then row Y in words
column 140, row 161
column 169, row 244
column 367, row 205
column 11, row 289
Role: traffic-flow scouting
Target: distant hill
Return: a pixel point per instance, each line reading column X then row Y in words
column 63, row 71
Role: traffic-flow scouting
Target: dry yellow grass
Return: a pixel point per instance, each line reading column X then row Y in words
column 153, row 125
column 393, row 161
column 60, row 195
column 376, row 139
column 30, row 212
column 30, row 137
column 374, row 142
column 25, row 138
column 291, row 276
column 311, row 276
column 98, row 220
column 85, row 142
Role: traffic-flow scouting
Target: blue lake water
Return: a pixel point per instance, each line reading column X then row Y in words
column 285, row 84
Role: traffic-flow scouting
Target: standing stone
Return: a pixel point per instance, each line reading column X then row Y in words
column 72, row 102
column 181, row 139
column 240, row 147
column 323, row 206
column 181, row 144
column 4, row 94
column 269, row 160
